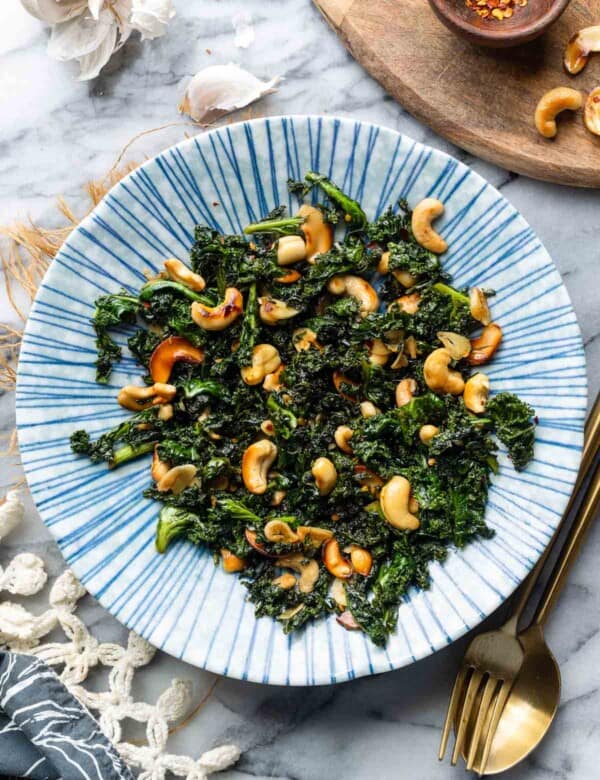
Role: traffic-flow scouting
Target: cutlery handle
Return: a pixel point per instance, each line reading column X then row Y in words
column 570, row 551
column 591, row 446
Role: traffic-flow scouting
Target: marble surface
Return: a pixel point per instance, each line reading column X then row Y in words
column 55, row 134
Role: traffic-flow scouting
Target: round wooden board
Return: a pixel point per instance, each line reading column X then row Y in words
column 480, row 99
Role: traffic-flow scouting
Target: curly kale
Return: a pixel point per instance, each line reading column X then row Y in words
column 338, row 366
column 513, row 424
column 111, row 311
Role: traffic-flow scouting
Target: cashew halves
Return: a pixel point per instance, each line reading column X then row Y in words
column 290, row 249
column 177, row 479
column 317, row 233
column 439, row 376
column 427, row 432
column 394, row 499
column 551, row 104
column 477, row 389
column 221, row 316
column 181, row 273
column 423, row 215
column 307, row 568
column 342, row 436
column 265, row 361
column 279, row 532
column 356, row 287
column 272, row 311
column 137, row 398
column 404, row 391
column 334, row 561
column 325, row 475
column 256, row 462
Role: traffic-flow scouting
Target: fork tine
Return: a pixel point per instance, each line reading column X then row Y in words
column 484, row 707
column 452, row 706
column 498, row 708
column 474, row 682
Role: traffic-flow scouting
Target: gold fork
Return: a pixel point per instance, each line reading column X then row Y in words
column 493, row 659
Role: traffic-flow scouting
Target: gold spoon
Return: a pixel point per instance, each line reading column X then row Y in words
column 534, row 698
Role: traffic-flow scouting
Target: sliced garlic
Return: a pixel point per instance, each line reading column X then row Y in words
column 220, row 89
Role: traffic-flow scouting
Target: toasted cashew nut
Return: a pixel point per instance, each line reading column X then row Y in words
column 458, row 346
column 404, row 391
column 221, row 316
column 404, row 277
column 159, row 467
column 409, row 304
column 290, row 249
column 181, row 273
column 325, row 475
column 478, row 306
column 307, row 568
column 177, row 479
column 277, row 497
column 362, row 560
column 334, row 561
column 265, row 360
column 378, row 353
column 280, row 532
column 256, row 462
column 356, row 287
column 231, row 562
column 423, row 215
column 272, row 311
column 337, row 591
column 368, row 409
column 413, row 505
column 579, row 48
column 315, row 535
column 272, row 381
column 305, row 338
column 342, row 436
column 165, row 412
column 285, row 581
column 477, row 389
column 317, row 232
column 427, row 432
column 485, row 345
column 591, row 112
column 394, row 500
column 551, row 104
column 174, row 349
column 438, row 376
column 137, row 398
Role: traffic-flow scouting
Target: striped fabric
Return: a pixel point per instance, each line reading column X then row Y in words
column 45, row 733
column 181, row 602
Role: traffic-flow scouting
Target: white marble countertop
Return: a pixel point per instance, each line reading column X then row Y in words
column 57, row 133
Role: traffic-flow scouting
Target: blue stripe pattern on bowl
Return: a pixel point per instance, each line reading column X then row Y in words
column 226, row 178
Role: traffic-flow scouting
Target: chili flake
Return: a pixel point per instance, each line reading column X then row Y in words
column 495, row 9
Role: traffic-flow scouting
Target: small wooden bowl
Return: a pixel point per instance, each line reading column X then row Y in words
column 524, row 25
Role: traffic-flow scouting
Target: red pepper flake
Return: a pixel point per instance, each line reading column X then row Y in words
column 495, row 9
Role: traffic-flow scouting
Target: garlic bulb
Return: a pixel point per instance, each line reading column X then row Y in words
column 91, row 31
column 220, row 89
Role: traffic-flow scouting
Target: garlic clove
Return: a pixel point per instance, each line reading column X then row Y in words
column 52, row 12
column 151, row 17
column 220, row 89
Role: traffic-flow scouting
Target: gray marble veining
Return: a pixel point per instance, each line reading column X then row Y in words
column 55, row 134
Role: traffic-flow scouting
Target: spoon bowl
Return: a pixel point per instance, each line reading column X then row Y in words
column 529, row 710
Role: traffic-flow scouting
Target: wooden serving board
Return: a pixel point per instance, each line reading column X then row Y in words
column 482, row 100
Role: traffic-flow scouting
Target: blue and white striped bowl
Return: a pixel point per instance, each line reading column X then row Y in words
column 181, row 602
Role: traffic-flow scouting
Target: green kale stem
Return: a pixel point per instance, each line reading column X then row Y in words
column 284, row 227
column 164, row 284
column 353, row 213
column 129, row 452
column 172, row 523
column 445, row 289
